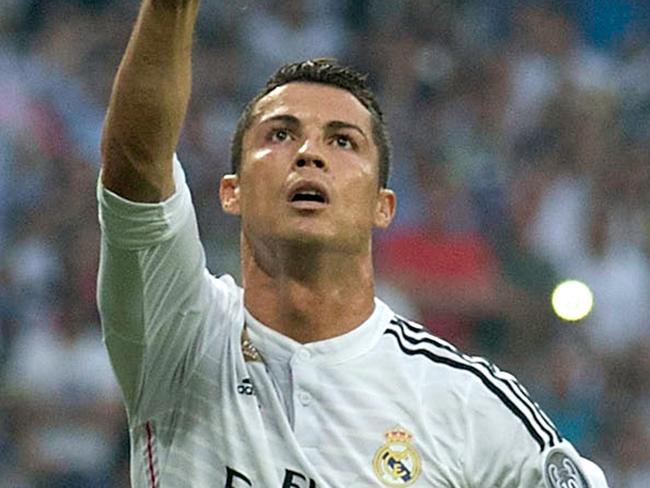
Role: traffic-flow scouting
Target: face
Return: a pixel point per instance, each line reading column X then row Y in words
column 309, row 171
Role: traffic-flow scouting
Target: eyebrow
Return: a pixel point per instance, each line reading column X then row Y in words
column 289, row 120
column 338, row 125
column 293, row 122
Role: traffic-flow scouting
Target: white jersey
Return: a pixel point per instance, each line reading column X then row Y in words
column 216, row 399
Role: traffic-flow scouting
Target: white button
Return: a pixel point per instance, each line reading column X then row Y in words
column 304, row 397
column 304, row 355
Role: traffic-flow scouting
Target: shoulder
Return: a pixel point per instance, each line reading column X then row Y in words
column 434, row 355
column 488, row 397
column 497, row 417
column 419, row 348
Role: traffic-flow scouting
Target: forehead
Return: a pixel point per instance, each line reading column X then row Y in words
column 313, row 102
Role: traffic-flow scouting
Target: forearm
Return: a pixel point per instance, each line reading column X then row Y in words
column 148, row 102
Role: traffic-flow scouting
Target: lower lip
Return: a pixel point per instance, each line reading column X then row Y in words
column 307, row 205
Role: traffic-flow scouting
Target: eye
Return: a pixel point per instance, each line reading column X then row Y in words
column 279, row 135
column 344, row 142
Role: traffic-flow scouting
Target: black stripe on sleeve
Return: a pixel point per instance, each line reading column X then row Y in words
column 487, row 380
column 539, row 418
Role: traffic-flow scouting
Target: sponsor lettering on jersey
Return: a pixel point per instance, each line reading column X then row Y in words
column 397, row 463
column 560, row 471
column 292, row 479
column 232, row 475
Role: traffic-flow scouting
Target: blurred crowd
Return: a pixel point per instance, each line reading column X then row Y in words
column 521, row 135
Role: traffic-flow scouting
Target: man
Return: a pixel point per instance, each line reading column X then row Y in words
column 302, row 378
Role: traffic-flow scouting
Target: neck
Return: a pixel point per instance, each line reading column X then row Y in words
column 307, row 294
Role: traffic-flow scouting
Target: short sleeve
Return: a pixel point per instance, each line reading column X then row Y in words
column 160, row 307
column 135, row 225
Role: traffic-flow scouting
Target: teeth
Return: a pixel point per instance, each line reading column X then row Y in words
column 311, row 195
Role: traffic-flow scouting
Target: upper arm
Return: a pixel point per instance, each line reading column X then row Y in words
column 140, row 133
column 133, row 170
column 148, row 102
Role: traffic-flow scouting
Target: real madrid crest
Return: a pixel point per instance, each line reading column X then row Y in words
column 397, row 463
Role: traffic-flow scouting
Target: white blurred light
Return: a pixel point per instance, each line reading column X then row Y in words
column 572, row 300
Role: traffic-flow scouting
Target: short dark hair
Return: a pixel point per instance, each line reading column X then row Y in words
column 328, row 72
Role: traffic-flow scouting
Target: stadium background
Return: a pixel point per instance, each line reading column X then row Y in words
column 522, row 158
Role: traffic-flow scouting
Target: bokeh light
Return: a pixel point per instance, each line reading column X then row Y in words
column 572, row 300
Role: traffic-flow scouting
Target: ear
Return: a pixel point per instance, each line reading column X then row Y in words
column 229, row 194
column 385, row 210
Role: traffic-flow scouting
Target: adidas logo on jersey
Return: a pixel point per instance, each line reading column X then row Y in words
column 246, row 387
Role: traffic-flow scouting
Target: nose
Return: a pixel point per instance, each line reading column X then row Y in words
column 309, row 155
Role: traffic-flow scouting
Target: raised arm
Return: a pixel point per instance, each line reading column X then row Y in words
column 148, row 103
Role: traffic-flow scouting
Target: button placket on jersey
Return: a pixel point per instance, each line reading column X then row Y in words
column 301, row 364
column 303, row 372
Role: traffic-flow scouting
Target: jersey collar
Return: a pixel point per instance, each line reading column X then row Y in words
column 274, row 346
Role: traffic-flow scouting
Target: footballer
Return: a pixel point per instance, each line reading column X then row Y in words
column 299, row 377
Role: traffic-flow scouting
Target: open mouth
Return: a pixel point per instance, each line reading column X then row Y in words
column 308, row 194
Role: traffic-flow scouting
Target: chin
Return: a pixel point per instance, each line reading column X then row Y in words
column 314, row 241
column 305, row 236
column 310, row 239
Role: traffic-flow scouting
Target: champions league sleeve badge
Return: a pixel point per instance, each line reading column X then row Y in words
column 397, row 463
column 561, row 471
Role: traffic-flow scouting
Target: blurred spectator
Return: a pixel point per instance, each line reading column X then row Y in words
column 282, row 31
column 443, row 263
column 571, row 394
column 66, row 410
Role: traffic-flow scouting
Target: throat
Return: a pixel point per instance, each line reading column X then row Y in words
column 308, row 314
column 304, row 293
